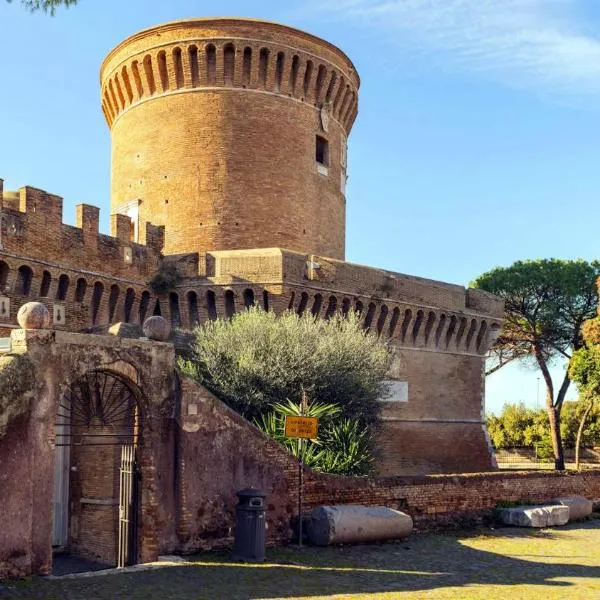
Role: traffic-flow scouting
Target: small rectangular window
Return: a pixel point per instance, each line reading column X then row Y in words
column 322, row 151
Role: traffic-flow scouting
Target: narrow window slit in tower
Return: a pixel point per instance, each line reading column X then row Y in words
column 263, row 66
column 211, row 64
column 162, row 70
column 320, row 81
column 119, row 91
column 294, row 74
column 331, row 87
column 279, row 71
column 178, row 64
column 228, row 64
column 135, row 69
column 247, row 66
column 149, row 74
column 193, row 54
column 127, row 84
column 307, row 77
column 322, row 151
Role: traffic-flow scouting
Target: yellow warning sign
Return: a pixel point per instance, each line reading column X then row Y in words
column 301, row 427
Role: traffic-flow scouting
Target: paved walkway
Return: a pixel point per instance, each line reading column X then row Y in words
column 508, row 564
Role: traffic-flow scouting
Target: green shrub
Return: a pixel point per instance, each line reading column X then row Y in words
column 262, row 365
column 258, row 359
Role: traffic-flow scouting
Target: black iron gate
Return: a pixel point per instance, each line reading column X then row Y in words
column 128, row 507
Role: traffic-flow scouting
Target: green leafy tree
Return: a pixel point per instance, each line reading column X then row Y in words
column 517, row 425
column 584, row 369
column 546, row 303
column 48, row 6
column 257, row 360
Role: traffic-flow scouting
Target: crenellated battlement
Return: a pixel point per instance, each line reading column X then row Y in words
column 32, row 226
column 229, row 53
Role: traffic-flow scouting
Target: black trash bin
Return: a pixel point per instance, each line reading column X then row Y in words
column 250, row 526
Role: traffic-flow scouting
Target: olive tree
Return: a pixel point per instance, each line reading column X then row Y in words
column 257, row 360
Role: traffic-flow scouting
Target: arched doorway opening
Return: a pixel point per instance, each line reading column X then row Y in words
column 95, row 496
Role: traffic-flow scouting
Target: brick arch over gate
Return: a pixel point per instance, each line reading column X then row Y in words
column 59, row 359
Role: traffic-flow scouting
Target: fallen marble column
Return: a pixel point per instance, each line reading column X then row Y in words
column 534, row 516
column 579, row 507
column 352, row 524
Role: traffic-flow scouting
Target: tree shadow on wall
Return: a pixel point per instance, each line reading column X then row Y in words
column 417, row 564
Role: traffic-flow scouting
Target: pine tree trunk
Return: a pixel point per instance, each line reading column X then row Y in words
column 580, row 432
column 559, row 459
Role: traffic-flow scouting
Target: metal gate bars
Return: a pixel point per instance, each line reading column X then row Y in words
column 128, row 507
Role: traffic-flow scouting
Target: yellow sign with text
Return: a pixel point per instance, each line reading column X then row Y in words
column 301, row 427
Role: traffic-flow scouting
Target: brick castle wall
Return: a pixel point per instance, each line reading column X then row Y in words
column 94, row 279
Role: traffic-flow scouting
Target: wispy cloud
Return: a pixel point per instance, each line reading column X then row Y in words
column 543, row 45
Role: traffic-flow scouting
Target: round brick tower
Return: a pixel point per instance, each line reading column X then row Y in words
column 231, row 133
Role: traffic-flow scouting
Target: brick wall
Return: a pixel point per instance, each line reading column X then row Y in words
column 248, row 458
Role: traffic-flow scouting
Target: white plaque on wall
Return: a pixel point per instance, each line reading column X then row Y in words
column 398, row 391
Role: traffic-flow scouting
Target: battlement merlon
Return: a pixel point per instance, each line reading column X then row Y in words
column 33, row 220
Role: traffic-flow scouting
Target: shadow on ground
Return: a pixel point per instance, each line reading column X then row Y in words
column 421, row 563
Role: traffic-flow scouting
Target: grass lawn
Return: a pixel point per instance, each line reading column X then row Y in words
column 504, row 563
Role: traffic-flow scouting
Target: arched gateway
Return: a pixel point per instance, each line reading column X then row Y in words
column 95, row 497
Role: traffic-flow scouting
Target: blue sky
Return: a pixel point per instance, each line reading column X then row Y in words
column 477, row 141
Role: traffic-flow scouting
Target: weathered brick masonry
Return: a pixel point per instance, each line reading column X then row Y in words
column 214, row 125
column 194, row 454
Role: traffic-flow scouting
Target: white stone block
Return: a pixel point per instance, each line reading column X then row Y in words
column 534, row 516
column 352, row 524
column 579, row 507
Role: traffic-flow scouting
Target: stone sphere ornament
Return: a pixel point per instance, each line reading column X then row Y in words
column 157, row 328
column 33, row 315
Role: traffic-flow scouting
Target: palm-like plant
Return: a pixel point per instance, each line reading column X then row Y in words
column 343, row 447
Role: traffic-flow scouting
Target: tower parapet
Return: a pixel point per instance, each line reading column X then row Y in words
column 231, row 133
